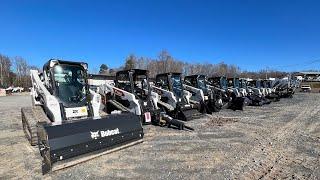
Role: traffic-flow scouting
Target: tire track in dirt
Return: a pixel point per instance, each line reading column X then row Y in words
column 269, row 157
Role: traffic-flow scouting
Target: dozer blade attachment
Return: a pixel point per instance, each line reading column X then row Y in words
column 74, row 140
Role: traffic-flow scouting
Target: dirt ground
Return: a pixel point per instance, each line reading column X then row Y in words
column 280, row 140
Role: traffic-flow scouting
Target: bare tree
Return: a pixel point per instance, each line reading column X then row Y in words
column 5, row 69
column 22, row 71
column 5, row 66
column 165, row 62
column 130, row 62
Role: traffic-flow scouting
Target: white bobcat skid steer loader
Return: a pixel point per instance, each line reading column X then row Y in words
column 231, row 97
column 132, row 92
column 239, row 92
column 259, row 85
column 64, row 120
column 267, row 84
column 235, row 84
column 257, row 94
column 253, row 94
column 197, row 84
column 284, row 87
column 175, row 100
column 197, row 97
column 214, row 84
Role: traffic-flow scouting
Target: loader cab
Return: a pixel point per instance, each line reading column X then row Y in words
column 197, row 81
column 263, row 84
column 267, row 84
column 243, row 83
column 230, row 82
column 135, row 81
column 258, row 83
column 214, row 81
column 251, row 83
column 171, row 82
column 220, row 82
column 234, row 82
column 67, row 81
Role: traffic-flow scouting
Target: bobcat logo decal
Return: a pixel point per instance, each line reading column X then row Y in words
column 98, row 134
column 95, row 135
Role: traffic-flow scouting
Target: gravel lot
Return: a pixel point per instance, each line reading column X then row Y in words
column 280, row 140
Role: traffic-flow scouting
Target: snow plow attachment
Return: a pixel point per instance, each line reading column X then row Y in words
column 81, row 140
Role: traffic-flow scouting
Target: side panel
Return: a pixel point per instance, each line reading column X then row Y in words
column 165, row 93
column 198, row 93
column 124, row 95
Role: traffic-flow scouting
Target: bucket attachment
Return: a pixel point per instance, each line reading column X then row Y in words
column 82, row 140
column 237, row 103
column 188, row 113
column 273, row 97
column 255, row 100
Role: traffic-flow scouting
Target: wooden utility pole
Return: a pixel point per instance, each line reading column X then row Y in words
column 1, row 76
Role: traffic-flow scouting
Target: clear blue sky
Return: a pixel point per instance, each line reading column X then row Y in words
column 252, row 34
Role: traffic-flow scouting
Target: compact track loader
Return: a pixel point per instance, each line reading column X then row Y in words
column 257, row 93
column 132, row 92
column 235, row 86
column 254, row 95
column 271, row 95
column 175, row 100
column 230, row 98
column 285, row 87
column 212, row 98
column 64, row 120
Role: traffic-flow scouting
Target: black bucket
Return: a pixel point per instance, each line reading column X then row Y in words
column 72, row 139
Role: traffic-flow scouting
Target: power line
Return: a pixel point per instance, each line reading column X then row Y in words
column 306, row 63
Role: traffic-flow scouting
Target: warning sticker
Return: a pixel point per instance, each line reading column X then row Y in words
column 147, row 116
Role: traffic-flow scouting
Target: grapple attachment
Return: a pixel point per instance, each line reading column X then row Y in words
column 74, row 140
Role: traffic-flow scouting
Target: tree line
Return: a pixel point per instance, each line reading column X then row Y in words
column 165, row 62
column 14, row 72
